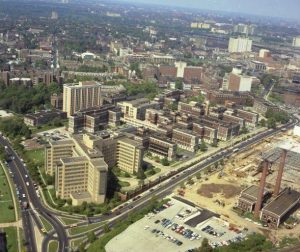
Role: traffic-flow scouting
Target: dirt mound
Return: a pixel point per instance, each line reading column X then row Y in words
column 228, row 191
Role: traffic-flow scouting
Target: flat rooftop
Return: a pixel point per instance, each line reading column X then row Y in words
column 251, row 193
column 283, row 203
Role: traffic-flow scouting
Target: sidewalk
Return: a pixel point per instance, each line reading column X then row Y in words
column 18, row 224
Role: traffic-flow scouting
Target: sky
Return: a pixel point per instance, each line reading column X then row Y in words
column 276, row 8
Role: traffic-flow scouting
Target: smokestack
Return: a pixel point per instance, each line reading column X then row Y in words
column 280, row 172
column 261, row 189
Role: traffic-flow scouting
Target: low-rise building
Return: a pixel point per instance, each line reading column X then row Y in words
column 94, row 119
column 136, row 109
column 162, row 147
column 185, row 139
column 248, row 198
column 43, row 117
column 251, row 118
column 279, row 209
column 262, row 107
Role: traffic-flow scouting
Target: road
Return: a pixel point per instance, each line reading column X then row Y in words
column 160, row 191
column 28, row 193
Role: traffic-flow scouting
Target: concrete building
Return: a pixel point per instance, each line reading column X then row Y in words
column 258, row 66
column 180, row 65
column 239, row 45
column 207, row 134
column 244, row 29
column 129, row 155
column 192, row 109
column 237, row 83
column 224, row 97
column 162, row 147
column 248, row 198
column 43, row 117
column 136, row 109
column 296, row 41
column 185, row 139
column 79, row 168
column 57, row 101
column 264, row 53
column 262, row 107
column 81, row 96
column 94, row 119
column 251, row 118
column 278, row 209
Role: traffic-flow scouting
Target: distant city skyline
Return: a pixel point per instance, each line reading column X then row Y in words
column 274, row 8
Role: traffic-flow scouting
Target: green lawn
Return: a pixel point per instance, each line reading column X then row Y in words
column 11, row 236
column 46, row 224
column 77, row 242
column 69, row 221
column 37, row 156
column 83, row 229
column 53, row 246
column 123, row 183
column 7, row 215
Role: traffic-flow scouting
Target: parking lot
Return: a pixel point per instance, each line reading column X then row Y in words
column 54, row 134
column 168, row 231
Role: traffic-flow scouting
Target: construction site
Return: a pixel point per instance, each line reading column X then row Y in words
column 257, row 188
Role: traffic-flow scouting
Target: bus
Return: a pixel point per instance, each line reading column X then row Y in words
column 235, row 150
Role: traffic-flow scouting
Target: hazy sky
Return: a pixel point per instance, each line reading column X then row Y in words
column 278, row 8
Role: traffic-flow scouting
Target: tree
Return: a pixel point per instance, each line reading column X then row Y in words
column 262, row 123
column 141, row 174
column 198, row 175
column 271, row 123
column 106, row 228
column 82, row 247
column 164, row 162
column 205, row 247
column 91, row 237
column 203, row 146
column 244, row 130
column 179, row 84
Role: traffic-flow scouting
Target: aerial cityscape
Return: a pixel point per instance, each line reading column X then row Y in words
column 149, row 126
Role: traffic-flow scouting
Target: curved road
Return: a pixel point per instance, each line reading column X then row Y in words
column 28, row 193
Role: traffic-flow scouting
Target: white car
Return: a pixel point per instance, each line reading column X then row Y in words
column 23, row 195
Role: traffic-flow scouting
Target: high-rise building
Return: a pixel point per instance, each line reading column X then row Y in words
column 244, row 29
column 239, row 45
column 296, row 41
column 54, row 15
column 81, row 96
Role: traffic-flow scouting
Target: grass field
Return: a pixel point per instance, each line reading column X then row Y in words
column 83, row 229
column 46, row 224
column 11, row 236
column 69, row 221
column 7, row 215
column 123, row 183
column 37, row 156
column 53, row 246
column 77, row 242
